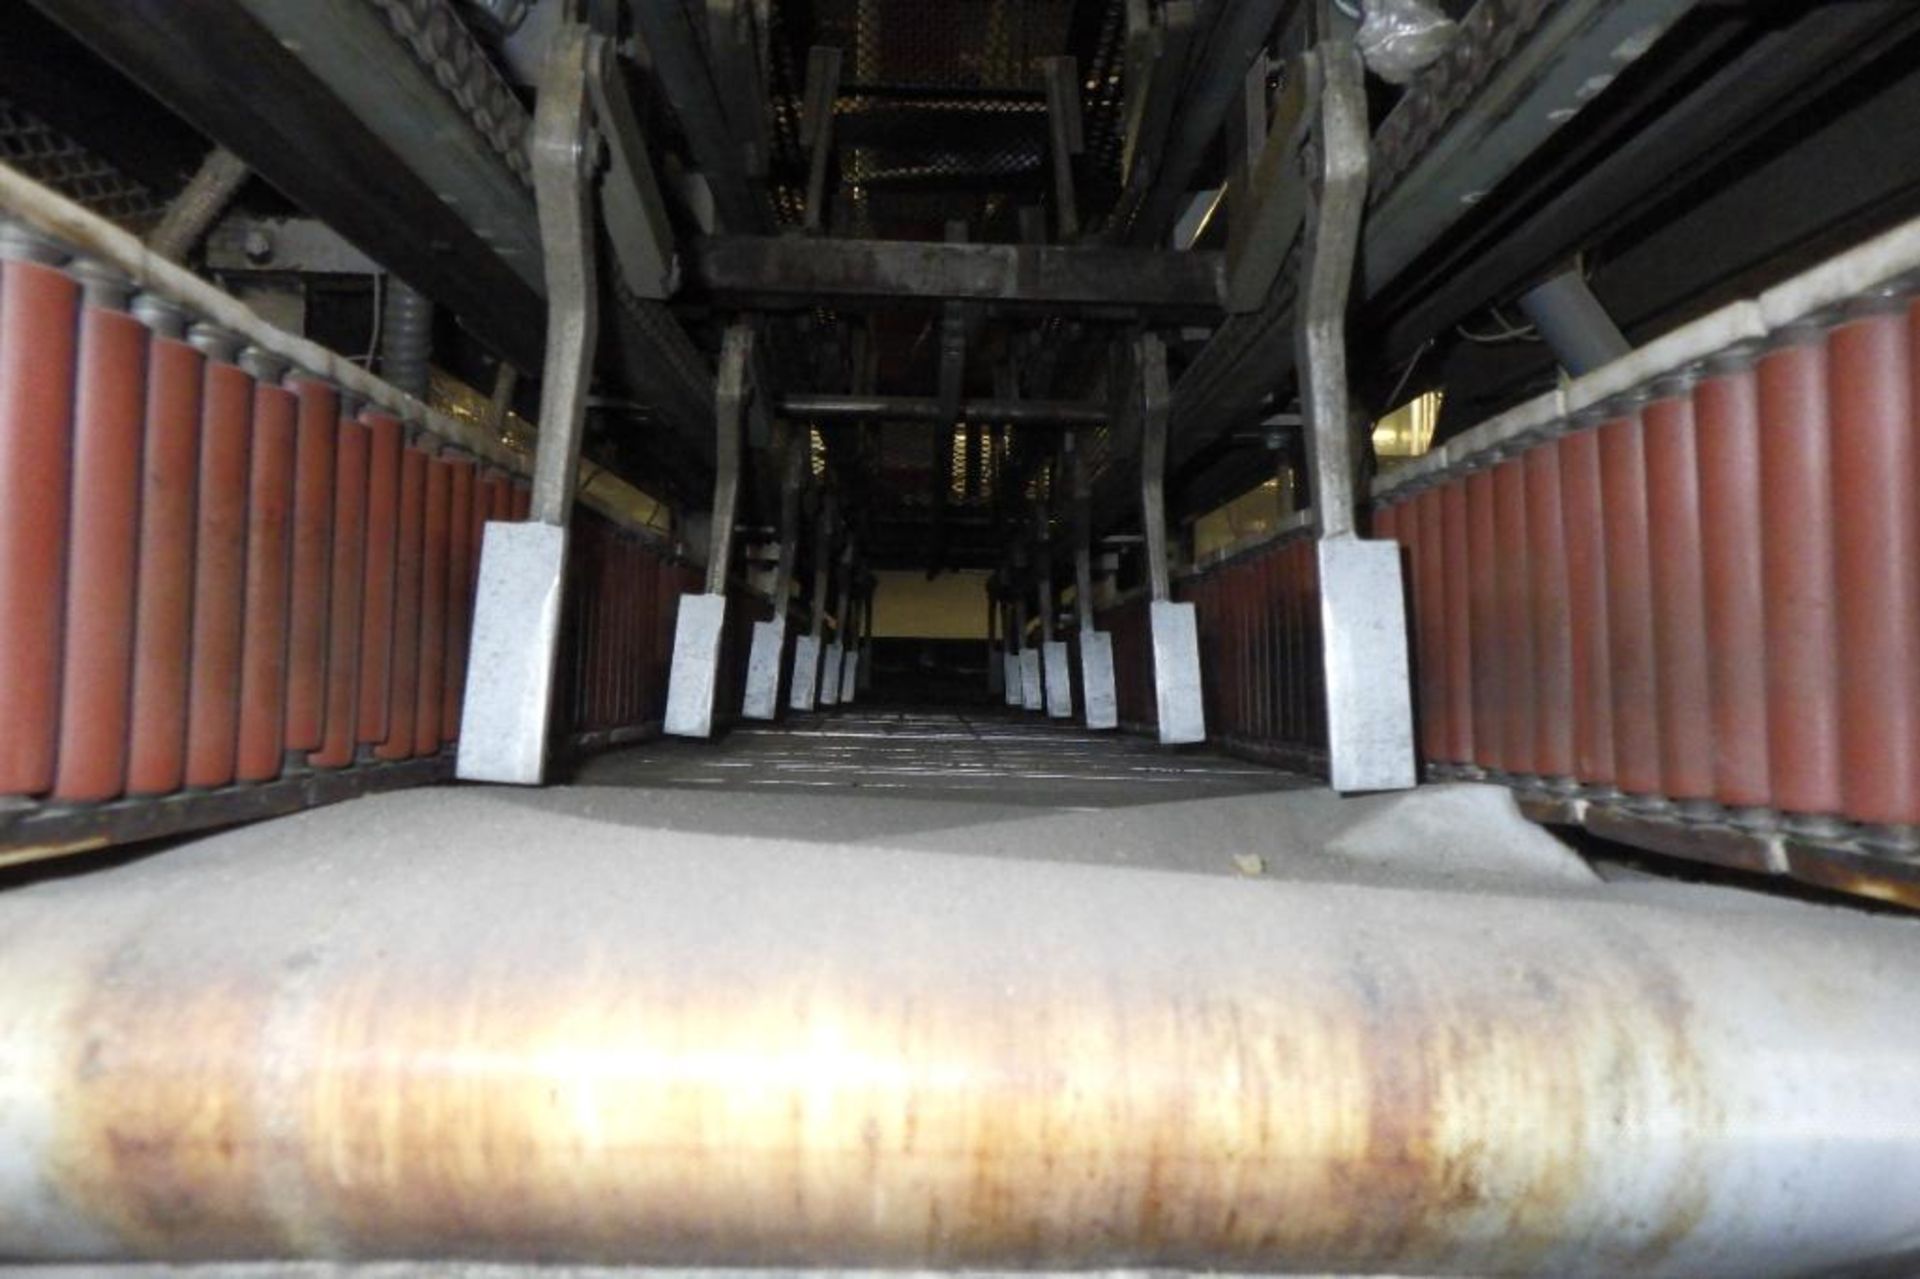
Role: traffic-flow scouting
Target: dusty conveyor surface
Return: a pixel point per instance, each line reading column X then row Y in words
column 1059, row 1014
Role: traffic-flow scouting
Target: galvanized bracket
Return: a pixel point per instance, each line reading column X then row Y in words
column 768, row 654
column 1099, row 699
column 805, row 687
column 1182, row 717
column 516, row 625
column 693, row 680
column 1362, row 605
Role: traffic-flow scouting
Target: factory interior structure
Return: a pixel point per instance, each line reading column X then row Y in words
column 829, row 637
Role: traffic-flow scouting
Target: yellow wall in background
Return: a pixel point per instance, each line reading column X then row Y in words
column 951, row 606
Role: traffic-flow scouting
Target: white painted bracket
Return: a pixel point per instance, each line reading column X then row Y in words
column 516, row 634
column 695, row 673
column 1364, row 637
column 1032, row 692
column 764, row 659
column 1097, row 692
column 1059, row 679
column 850, row 676
column 806, row 673
column 1176, row 673
column 831, row 668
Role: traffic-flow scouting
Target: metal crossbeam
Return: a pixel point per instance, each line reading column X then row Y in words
column 770, row 272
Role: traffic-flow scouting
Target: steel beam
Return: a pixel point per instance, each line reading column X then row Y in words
column 799, row 273
column 451, row 219
column 824, row 407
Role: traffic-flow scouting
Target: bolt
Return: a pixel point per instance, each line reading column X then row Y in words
column 258, row 246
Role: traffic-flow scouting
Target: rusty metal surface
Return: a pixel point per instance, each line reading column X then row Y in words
column 341, row 1037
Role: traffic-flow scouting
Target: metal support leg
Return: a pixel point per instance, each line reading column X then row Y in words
column 1066, row 139
column 833, row 665
column 1053, row 652
column 693, row 681
column 996, row 666
column 1362, row 608
column 816, row 129
column 516, row 622
column 1176, row 636
column 806, row 649
column 866, row 636
column 850, row 657
column 1032, row 692
column 768, row 654
column 1010, row 656
column 1098, row 696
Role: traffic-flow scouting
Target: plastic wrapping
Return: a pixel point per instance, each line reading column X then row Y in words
column 1400, row 38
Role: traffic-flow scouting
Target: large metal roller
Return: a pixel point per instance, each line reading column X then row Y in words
column 459, row 1024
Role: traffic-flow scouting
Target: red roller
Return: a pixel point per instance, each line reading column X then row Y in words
column 1590, row 661
column 219, row 576
column 163, row 593
column 1483, row 604
column 1516, row 671
column 378, row 602
column 1456, row 581
column 1552, row 624
column 1681, row 655
column 263, row 660
column 1876, row 545
column 38, row 310
column 346, row 580
column 1796, row 493
column 1727, row 430
column 494, row 488
column 312, row 557
column 1430, row 605
column 1630, row 644
column 434, row 556
column 459, row 598
column 103, row 557
column 521, row 503
column 403, row 688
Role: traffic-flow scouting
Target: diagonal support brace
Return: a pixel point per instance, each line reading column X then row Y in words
column 507, row 710
column 700, row 629
column 1362, row 604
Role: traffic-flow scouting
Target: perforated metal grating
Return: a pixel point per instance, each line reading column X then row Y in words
column 942, row 111
column 50, row 157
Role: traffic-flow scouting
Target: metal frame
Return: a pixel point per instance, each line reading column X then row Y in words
column 516, row 624
column 1362, row 603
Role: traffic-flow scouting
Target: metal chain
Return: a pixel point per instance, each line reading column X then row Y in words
column 442, row 45
column 1488, row 35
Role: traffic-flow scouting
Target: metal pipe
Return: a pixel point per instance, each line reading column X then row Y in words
column 906, row 408
column 406, row 337
column 199, row 204
column 1574, row 324
column 695, row 1050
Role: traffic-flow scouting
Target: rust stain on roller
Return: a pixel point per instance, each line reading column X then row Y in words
column 1483, row 608
column 102, row 559
column 377, row 601
column 219, row 576
column 1876, row 547
column 1322, row 1078
column 1591, row 663
column 347, row 575
column 1726, row 410
column 38, row 309
column 436, row 550
column 1456, row 583
column 1515, row 619
column 404, row 677
column 1796, row 491
column 311, row 563
column 1682, row 660
column 1633, row 667
column 459, row 597
column 263, row 665
column 163, row 623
